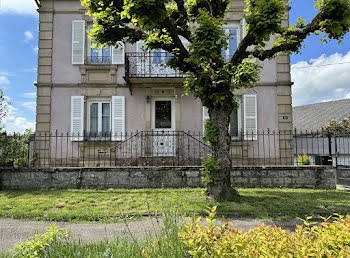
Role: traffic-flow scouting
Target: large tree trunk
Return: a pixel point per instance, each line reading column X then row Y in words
column 219, row 117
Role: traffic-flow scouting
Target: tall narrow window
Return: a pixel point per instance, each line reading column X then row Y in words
column 99, row 56
column 99, row 117
column 235, row 122
column 163, row 114
column 232, row 43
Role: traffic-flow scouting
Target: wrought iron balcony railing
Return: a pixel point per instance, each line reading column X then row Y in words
column 144, row 65
column 99, row 60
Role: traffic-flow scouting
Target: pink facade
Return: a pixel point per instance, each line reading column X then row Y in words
column 98, row 85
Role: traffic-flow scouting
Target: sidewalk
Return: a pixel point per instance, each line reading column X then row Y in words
column 14, row 232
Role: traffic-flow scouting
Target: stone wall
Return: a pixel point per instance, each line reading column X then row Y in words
column 318, row 177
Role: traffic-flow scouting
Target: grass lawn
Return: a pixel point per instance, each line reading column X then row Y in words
column 113, row 205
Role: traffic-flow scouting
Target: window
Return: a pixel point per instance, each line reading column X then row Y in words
column 98, row 56
column 235, row 122
column 99, row 117
column 160, row 56
column 163, row 114
column 233, row 33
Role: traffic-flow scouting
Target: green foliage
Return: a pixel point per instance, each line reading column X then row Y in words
column 37, row 244
column 209, row 171
column 210, row 132
column 14, row 149
column 246, row 75
column 109, row 205
column 160, row 240
column 207, row 41
column 303, row 159
column 336, row 19
column 264, row 18
column 310, row 240
column 341, row 127
column 3, row 108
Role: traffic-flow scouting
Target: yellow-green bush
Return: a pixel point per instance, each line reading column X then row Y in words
column 328, row 239
column 304, row 159
column 37, row 244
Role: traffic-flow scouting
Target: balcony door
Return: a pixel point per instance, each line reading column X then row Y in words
column 163, row 127
column 159, row 66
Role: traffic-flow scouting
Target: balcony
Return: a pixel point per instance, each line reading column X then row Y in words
column 149, row 65
column 98, row 60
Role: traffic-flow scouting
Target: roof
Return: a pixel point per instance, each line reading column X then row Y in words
column 316, row 116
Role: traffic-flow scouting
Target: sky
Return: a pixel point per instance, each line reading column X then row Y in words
column 320, row 72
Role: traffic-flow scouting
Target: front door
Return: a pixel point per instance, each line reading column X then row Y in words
column 163, row 126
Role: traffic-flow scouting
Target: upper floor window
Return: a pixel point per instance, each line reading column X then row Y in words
column 98, row 56
column 86, row 53
column 233, row 41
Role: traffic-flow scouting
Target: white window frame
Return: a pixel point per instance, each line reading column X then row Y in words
column 99, row 50
column 99, row 122
column 239, row 118
column 173, row 116
column 227, row 28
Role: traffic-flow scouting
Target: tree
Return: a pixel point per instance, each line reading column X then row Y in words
column 163, row 23
column 338, row 127
column 3, row 108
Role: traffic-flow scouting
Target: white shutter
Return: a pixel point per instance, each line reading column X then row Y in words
column 118, row 53
column 185, row 42
column 250, row 117
column 205, row 117
column 77, row 118
column 78, row 42
column 118, row 118
column 243, row 24
column 140, row 46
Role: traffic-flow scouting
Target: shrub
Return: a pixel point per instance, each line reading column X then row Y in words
column 310, row 240
column 304, row 159
column 36, row 245
column 14, row 149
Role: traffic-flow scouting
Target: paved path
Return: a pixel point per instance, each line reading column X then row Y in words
column 13, row 232
column 343, row 188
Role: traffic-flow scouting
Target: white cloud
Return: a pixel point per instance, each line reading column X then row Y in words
column 31, row 105
column 28, row 35
column 16, row 124
column 18, row 7
column 4, row 80
column 323, row 82
column 29, row 95
column 35, row 49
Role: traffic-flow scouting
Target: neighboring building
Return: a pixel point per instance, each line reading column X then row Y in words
column 309, row 122
column 316, row 116
column 83, row 91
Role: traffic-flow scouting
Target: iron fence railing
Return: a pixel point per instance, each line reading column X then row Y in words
column 143, row 65
column 171, row 148
column 99, row 60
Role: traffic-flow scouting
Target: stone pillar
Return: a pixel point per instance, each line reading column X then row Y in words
column 284, row 103
column 44, row 81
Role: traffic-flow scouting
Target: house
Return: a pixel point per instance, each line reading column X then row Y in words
column 86, row 97
column 309, row 122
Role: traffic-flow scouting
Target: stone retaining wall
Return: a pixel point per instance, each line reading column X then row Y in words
column 318, row 177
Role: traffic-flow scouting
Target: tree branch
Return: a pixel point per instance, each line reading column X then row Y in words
column 301, row 34
column 183, row 20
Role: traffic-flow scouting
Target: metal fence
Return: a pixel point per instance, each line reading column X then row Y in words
column 143, row 65
column 171, row 148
